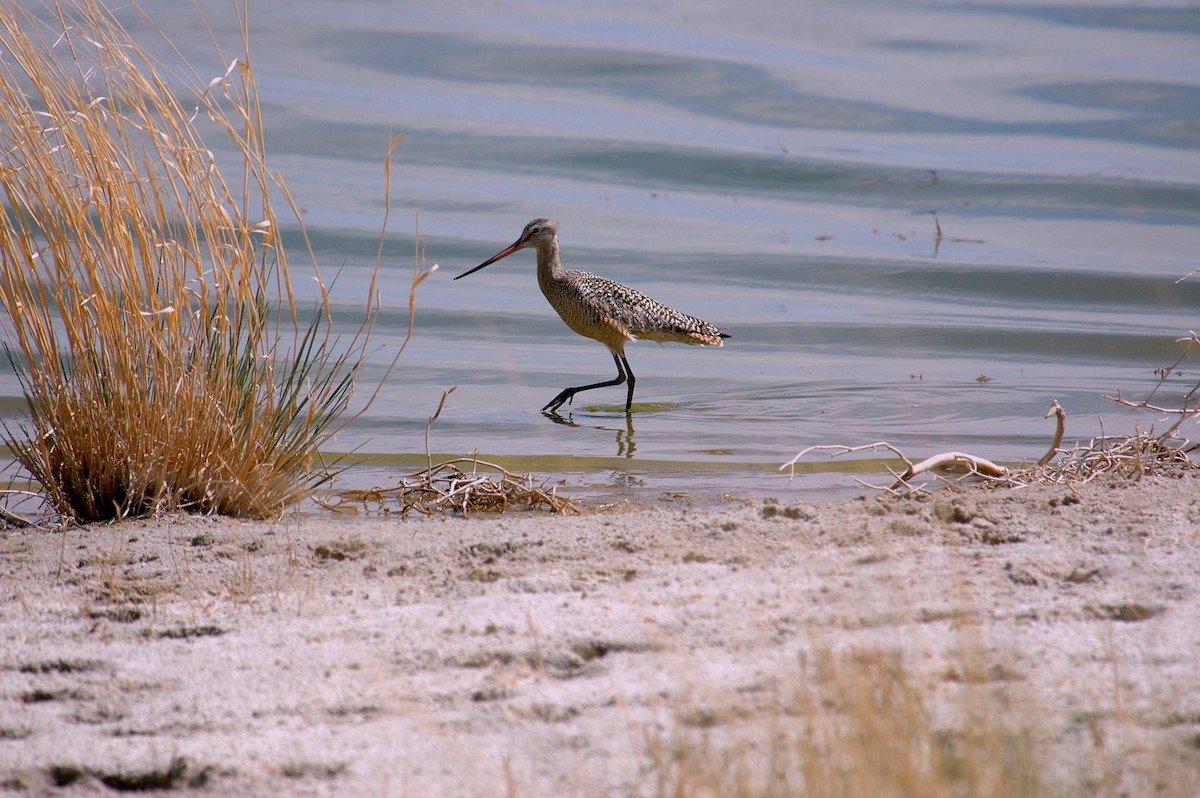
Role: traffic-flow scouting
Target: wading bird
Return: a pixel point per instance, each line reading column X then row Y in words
column 607, row 311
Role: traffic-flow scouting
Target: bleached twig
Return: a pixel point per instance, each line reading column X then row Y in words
column 840, row 450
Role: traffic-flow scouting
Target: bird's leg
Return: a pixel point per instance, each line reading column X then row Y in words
column 568, row 394
column 632, row 380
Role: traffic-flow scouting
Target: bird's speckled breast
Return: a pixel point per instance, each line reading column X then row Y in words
column 577, row 299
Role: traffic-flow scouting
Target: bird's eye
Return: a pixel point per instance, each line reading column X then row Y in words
column 535, row 230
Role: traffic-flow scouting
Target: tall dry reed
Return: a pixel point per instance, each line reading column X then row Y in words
column 164, row 358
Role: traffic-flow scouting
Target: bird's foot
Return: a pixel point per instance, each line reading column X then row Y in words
column 566, row 396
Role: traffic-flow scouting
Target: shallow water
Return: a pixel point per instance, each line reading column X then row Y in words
column 781, row 170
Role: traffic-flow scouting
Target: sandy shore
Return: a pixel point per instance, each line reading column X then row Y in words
column 538, row 655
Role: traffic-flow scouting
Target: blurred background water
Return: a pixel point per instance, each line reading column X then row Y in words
column 921, row 222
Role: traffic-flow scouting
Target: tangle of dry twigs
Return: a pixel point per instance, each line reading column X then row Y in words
column 455, row 485
column 1128, row 457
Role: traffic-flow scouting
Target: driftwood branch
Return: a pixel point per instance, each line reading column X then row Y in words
column 1061, row 425
column 960, row 462
column 964, row 464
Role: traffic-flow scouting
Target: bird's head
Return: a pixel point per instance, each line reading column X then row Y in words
column 537, row 234
column 539, row 231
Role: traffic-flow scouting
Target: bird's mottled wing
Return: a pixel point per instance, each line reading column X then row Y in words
column 642, row 316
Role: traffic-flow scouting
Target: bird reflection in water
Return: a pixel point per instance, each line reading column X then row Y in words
column 625, row 443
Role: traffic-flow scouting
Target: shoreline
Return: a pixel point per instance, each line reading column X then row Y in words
column 531, row 654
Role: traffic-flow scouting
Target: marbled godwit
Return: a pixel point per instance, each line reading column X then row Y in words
column 602, row 309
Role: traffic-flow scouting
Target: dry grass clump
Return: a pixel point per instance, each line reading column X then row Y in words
column 447, row 486
column 858, row 724
column 162, row 354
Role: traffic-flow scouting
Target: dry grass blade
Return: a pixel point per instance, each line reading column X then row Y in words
column 450, row 486
column 163, row 356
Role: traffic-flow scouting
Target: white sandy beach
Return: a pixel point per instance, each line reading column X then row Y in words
column 538, row 655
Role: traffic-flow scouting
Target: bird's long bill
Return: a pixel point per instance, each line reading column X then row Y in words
column 504, row 253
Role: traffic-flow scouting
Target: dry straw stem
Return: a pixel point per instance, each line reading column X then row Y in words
column 151, row 317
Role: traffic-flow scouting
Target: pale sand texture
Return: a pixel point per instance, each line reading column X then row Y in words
column 536, row 655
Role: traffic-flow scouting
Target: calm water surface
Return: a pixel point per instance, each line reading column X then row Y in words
column 779, row 169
